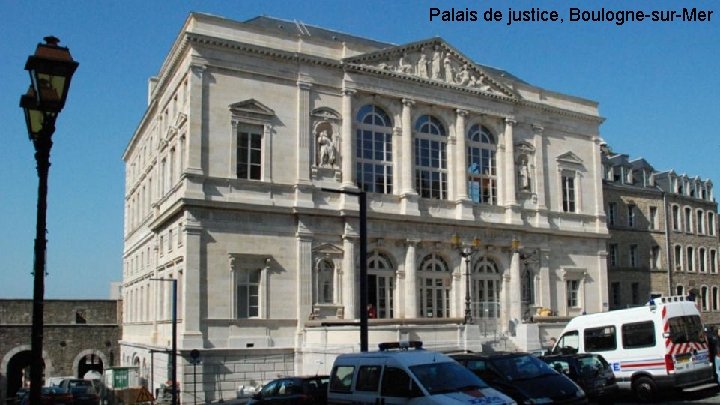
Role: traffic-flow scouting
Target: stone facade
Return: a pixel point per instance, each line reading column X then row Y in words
column 248, row 124
column 78, row 336
column 664, row 237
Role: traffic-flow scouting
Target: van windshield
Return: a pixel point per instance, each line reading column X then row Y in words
column 686, row 329
column 440, row 378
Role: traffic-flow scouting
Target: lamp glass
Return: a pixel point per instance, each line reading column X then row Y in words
column 455, row 240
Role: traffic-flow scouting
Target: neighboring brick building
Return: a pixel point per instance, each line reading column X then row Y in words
column 79, row 336
column 640, row 203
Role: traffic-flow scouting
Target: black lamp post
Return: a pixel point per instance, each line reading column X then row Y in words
column 362, row 200
column 50, row 68
column 466, row 252
column 173, row 350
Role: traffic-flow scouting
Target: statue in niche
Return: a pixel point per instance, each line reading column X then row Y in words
column 436, row 63
column 326, row 149
column 422, row 66
column 523, row 173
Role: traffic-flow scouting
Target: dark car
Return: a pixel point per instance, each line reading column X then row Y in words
column 294, row 390
column 51, row 396
column 83, row 391
column 523, row 377
column 590, row 371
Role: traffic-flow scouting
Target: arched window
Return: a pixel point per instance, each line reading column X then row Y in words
column 715, row 297
column 430, row 158
column 690, row 259
column 485, row 288
column 701, row 260
column 381, row 284
column 373, row 151
column 434, row 280
column 676, row 217
column 678, row 258
column 704, row 298
column 325, row 281
column 482, row 165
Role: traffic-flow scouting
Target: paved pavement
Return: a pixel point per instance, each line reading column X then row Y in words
column 708, row 396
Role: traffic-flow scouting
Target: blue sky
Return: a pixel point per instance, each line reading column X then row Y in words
column 657, row 85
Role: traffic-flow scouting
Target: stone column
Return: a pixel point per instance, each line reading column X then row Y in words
column 515, row 310
column 544, row 297
column 407, row 148
column 509, row 168
column 196, row 117
column 411, row 287
column 347, row 145
column 192, row 336
column 539, row 166
column 304, row 271
column 596, row 177
column 349, row 275
column 461, row 163
column 303, row 132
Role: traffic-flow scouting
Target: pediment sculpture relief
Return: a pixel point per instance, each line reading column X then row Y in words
column 438, row 63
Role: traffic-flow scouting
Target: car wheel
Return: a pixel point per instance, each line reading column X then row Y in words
column 644, row 389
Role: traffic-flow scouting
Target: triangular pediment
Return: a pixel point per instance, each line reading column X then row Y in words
column 251, row 106
column 434, row 61
column 570, row 158
column 327, row 249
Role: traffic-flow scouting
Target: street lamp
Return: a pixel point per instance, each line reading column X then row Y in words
column 173, row 350
column 362, row 200
column 466, row 251
column 50, row 68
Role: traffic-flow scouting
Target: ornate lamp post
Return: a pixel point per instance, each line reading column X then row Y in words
column 466, row 251
column 51, row 68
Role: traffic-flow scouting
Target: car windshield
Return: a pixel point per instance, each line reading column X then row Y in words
column 439, row 378
column 522, row 367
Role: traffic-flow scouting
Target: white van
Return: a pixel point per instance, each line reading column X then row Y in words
column 659, row 345
column 398, row 375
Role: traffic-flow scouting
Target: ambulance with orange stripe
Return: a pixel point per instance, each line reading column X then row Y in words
column 659, row 345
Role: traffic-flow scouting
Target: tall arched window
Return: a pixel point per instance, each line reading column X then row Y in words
column 485, row 288
column 435, row 280
column 704, row 298
column 430, row 158
column 482, row 166
column 381, row 284
column 373, row 150
column 714, row 298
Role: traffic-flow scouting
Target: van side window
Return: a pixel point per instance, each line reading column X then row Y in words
column 341, row 379
column 568, row 343
column 368, row 378
column 397, row 383
column 639, row 334
column 600, row 339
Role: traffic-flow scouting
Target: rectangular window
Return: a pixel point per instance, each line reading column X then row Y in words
column 615, row 293
column 248, row 294
column 249, row 152
column 653, row 222
column 631, row 215
column 640, row 334
column 635, row 291
column 655, row 257
column 613, row 255
column 568, row 192
column 612, row 213
column 600, row 339
column 633, row 259
column 573, row 288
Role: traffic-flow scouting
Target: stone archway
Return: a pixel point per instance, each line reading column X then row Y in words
column 89, row 359
column 14, row 364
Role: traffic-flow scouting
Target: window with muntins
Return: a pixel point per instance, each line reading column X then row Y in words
column 430, row 158
column 373, row 150
column 485, row 289
column 435, row 281
column 572, row 288
column 613, row 255
column 247, row 289
column 568, row 192
column 612, row 213
column 482, row 166
column 249, row 152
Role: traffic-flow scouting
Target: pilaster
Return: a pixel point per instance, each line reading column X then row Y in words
column 347, row 146
column 541, row 219
column 304, row 273
column 349, row 275
column 192, row 336
column 411, row 288
column 303, row 190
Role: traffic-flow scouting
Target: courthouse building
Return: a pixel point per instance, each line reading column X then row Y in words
column 248, row 122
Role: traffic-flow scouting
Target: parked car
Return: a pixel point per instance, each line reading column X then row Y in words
column 294, row 390
column 83, row 391
column 523, row 377
column 590, row 371
column 51, row 396
column 404, row 373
